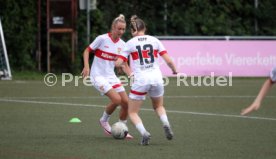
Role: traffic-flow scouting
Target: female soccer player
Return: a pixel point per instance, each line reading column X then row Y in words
column 262, row 93
column 144, row 50
column 106, row 48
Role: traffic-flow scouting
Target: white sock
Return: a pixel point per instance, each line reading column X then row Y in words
column 105, row 117
column 140, row 127
column 123, row 121
column 164, row 119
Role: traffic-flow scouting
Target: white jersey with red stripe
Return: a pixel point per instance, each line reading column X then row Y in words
column 106, row 51
column 144, row 51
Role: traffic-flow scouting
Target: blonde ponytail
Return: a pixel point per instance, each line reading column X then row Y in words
column 120, row 18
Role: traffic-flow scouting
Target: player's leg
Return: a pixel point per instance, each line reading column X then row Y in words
column 134, row 108
column 156, row 94
column 115, row 99
column 102, row 85
column 119, row 88
column 157, row 103
column 124, row 106
column 136, row 97
column 124, row 110
column 109, row 109
column 105, row 88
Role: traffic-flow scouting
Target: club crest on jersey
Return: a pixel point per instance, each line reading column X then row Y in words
column 101, row 88
column 119, row 50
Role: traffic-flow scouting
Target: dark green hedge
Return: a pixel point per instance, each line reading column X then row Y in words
column 19, row 24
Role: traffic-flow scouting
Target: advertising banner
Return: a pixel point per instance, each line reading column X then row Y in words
column 240, row 58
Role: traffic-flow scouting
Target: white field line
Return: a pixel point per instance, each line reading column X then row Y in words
column 101, row 97
column 169, row 111
column 215, row 96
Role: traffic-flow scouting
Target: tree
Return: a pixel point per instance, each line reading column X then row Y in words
column 19, row 24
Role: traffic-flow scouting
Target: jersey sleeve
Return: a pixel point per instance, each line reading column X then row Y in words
column 161, row 48
column 273, row 74
column 96, row 43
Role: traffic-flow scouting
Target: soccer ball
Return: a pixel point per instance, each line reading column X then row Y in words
column 119, row 130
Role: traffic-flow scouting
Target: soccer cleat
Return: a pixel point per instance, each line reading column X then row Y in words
column 145, row 138
column 128, row 136
column 168, row 132
column 106, row 127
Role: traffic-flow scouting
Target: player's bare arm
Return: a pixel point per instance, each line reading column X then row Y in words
column 126, row 68
column 257, row 102
column 86, row 70
column 170, row 63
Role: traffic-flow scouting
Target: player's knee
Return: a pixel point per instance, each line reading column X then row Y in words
column 155, row 107
column 131, row 113
column 124, row 102
column 117, row 100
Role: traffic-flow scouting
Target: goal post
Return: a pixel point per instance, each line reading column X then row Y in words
column 5, row 71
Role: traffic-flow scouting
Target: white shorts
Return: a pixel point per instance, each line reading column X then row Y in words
column 273, row 74
column 138, row 92
column 104, row 84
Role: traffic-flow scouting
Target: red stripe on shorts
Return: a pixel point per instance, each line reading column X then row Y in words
column 138, row 93
column 116, row 86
